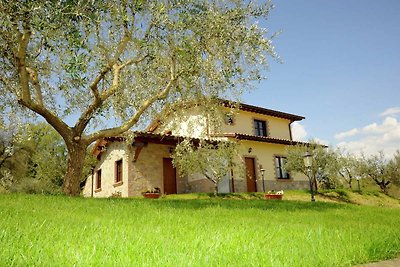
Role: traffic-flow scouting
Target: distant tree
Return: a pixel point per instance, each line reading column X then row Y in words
column 102, row 60
column 33, row 159
column 33, row 156
column 14, row 154
column 322, row 162
column 347, row 167
column 212, row 160
column 48, row 161
column 394, row 168
column 376, row 167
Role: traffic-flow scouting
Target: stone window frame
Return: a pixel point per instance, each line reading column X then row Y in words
column 118, row 173
column 265, row 127
column 277, row 175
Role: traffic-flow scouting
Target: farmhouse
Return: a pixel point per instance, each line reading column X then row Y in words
column 127, row 167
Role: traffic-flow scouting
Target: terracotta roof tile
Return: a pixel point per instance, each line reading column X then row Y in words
column 264, row 111
column 266, row 139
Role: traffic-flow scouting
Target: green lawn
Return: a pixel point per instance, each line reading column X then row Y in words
column 61, row 231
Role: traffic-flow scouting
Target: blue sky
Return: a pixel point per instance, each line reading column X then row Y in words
column 341, row 70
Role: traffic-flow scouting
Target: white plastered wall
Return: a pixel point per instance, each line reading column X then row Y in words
column 114, row 152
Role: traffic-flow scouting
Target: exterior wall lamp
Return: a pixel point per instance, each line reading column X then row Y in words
column 250, row 149
column 308, row 161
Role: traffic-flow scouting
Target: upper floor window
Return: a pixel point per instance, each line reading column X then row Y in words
column 281, row 172
column 118, row 171
column 260, row 128
column 98, row 179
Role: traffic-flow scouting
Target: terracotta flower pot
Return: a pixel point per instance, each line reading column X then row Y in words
column 273, row 196
column 151, row 195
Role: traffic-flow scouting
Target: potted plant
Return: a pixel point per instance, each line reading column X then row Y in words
column 274, row 195
column 152, row 193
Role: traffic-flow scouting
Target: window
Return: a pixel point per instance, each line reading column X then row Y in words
column 118, row 171
column 98, row 179
column 281, row 172
column 260, row 128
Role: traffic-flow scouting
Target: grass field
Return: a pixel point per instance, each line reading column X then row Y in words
column 61, row 231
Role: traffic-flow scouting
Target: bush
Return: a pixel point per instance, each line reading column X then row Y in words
column 34, row 186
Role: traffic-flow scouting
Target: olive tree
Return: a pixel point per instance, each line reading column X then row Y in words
column 34, row 160
column 48, row 161
column 322, row 159
column 214, row 160
column 381, row 170
column 14, row 154
column 347, row 167
column 95, row 69
column 394, row 168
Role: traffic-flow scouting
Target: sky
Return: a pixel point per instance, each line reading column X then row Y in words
column 340, row 70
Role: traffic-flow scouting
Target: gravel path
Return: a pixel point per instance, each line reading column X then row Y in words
column 388, row 263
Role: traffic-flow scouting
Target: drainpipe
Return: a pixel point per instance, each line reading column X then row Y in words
column 290, row 130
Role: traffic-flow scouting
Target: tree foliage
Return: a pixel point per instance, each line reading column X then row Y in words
column 212, row 160
column 37, row 161
column 394, row 168
column 33, row 159
column 381, row 170
column 322, row 159
column 14, row 155
column 48, row 162
column 93, row 61
column 345, row 167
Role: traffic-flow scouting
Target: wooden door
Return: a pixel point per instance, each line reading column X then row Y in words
column 250, row 175
column 169, row 173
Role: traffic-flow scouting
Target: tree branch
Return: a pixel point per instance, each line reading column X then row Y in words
column 38, row 91
column 61, row 127
column 100, row 98
column 94, row 85
column 25, row 97
column 120, row 49
column 25, row 94
column 209, row 178
column 146, row 104
column 123, row 43
column 134, row 61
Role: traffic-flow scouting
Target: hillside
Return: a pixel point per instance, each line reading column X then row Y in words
column 367, row 198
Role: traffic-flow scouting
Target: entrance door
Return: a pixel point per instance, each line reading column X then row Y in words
column 250, row 175
column 169, row 174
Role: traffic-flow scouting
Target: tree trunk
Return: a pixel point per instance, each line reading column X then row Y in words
column 215, row 189
column 73, row 176
column 350, row 185
column 384, row 187
column 314, row 184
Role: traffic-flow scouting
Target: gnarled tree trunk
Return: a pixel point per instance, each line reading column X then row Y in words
column 73, row 176
column 383, row 185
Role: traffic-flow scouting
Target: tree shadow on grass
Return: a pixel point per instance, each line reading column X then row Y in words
column 275, row 205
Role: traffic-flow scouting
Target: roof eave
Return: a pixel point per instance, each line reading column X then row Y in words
column 264, row 111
